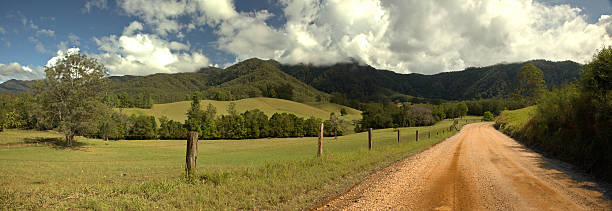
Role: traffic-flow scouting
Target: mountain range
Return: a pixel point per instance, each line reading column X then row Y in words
column 306, row 83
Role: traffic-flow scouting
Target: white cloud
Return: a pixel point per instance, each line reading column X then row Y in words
column 248, row 36
column 433, row 36
column 213, row 12
column 91, row 4
column 135, row 26
column 2, row 30
column 162, row 14
column 16, row 71
column 165, row 16
column 46, row 32
column 143, row 54
column 399, row 35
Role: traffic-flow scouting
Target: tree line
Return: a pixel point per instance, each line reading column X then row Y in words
column 391, row 115
column 21, row 112
column 73, row 99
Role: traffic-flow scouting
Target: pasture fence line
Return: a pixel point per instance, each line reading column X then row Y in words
column 320, row 151
column 425, row 133
column 370, row 138
column 192, row 153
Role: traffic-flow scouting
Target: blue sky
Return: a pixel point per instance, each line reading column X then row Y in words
column 400, row 35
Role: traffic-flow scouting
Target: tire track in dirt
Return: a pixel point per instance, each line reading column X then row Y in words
column 448, row 191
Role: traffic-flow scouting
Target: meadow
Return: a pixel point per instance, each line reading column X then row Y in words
column 38, row 173
column 177, row 111
column 513, row 121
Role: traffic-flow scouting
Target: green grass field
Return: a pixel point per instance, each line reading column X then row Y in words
column 177, row 111
column 37, row 173
column 512, row 121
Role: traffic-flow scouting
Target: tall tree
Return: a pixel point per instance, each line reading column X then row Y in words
column 531, row 82
column 334, row 124
column 71, row 95
column 195, row 115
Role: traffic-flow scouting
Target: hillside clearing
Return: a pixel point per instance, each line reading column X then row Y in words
column 177, row 111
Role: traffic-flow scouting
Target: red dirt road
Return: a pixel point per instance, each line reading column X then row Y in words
column 477, row 169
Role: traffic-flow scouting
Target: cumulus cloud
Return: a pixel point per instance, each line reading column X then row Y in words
column 433, row 36
column 16, row 71
column 400, row 35
column 162, row 14
column 133, row 27
column 142, row 54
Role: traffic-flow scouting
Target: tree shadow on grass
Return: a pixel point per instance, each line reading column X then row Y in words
column 56, row 143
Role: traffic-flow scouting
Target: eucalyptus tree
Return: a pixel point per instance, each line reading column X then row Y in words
column 71, row 95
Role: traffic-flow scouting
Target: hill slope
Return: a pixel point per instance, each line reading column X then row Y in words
column 15, row 86
column 259, row 78
column 177, row 110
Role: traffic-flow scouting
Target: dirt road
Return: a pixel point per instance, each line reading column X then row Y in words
column 477, row 169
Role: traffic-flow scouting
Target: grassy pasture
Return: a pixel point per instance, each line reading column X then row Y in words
column 511, row 121
column 37, row 173
column 176, row 111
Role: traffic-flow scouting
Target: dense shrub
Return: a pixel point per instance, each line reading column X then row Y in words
column 488, row 116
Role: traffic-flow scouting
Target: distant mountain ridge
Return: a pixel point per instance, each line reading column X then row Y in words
column 269, row 78
column 363, row 82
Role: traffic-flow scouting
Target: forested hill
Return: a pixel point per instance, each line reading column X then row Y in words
column 14, row 86
column 268, row 78
column 366, row 83
column 246, row 79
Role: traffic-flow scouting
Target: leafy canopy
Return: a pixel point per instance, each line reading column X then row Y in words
column 70, row 97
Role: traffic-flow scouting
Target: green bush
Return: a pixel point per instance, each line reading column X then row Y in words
column 488, row 116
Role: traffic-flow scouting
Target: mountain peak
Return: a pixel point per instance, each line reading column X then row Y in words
column 254, row 64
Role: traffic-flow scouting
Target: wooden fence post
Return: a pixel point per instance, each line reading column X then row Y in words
column 429, row 135
column 417, row 135
column 320, row 152
column 192, row 152
column 398, row 135
column 370, row 138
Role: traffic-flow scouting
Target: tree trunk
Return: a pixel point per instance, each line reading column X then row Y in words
column 69, row 138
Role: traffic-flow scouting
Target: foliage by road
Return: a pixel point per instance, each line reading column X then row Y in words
column 573, row 123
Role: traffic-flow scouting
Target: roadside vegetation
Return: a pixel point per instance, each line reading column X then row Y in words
column 573, row 123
